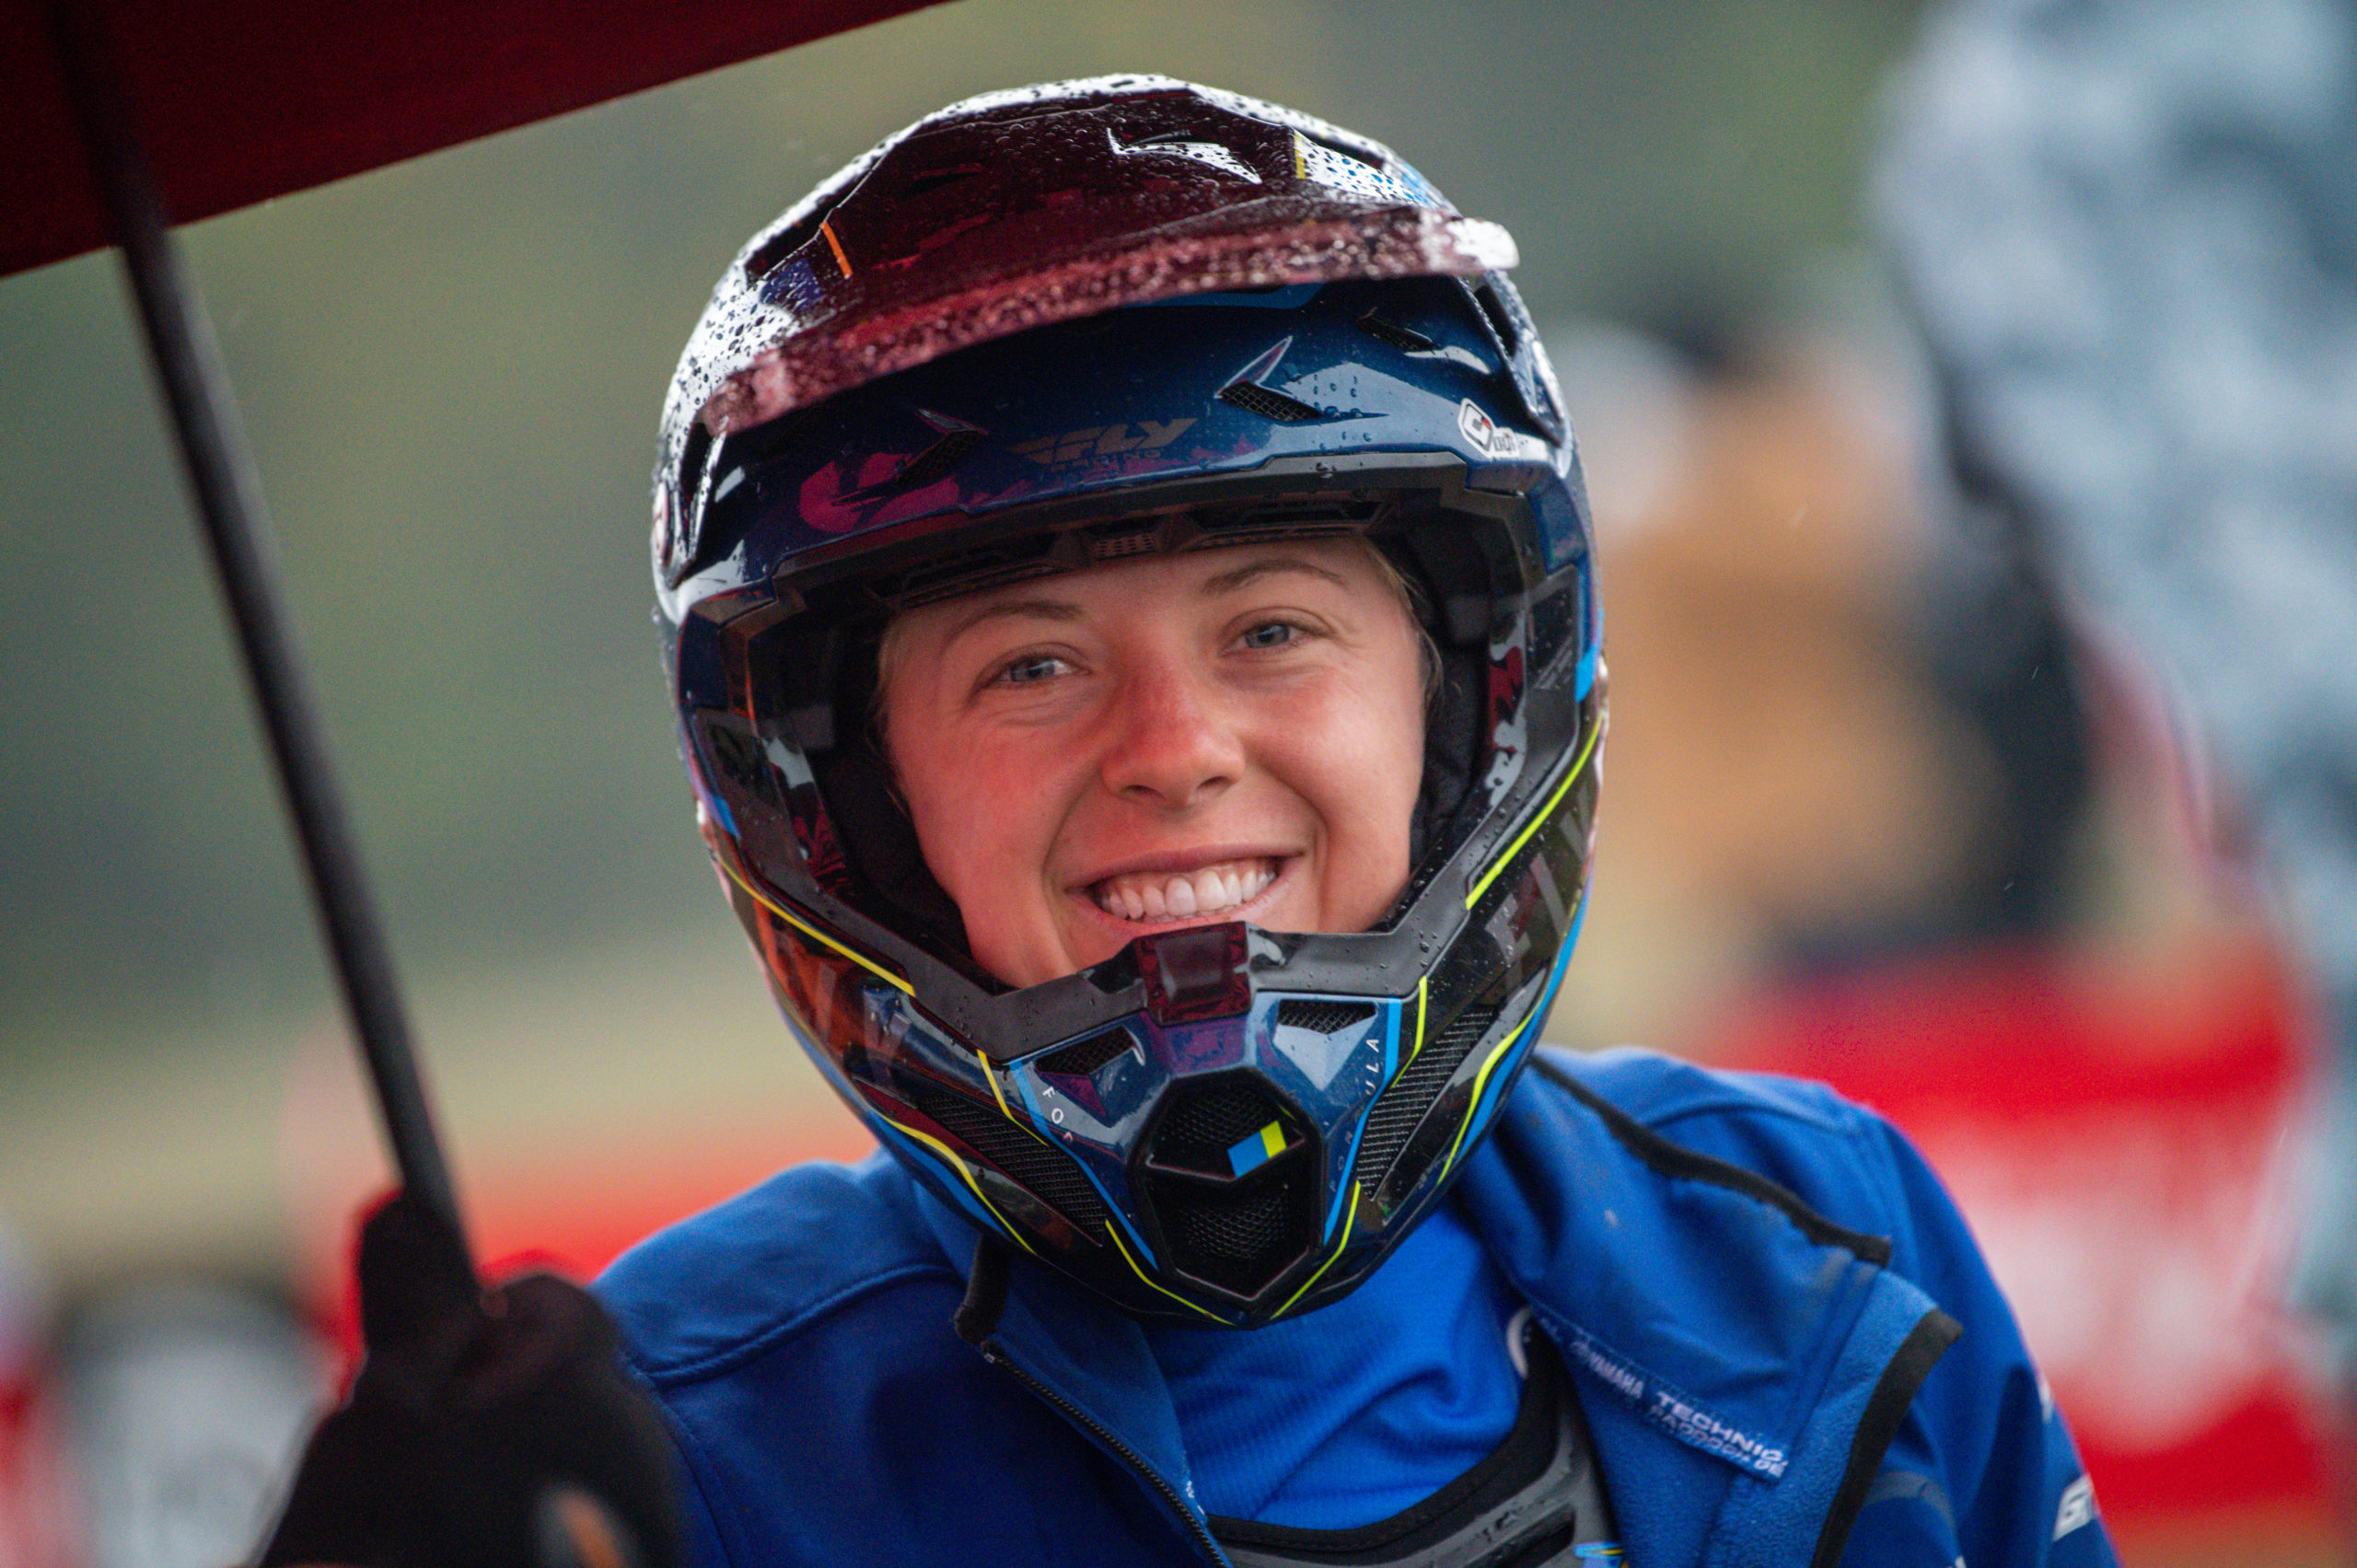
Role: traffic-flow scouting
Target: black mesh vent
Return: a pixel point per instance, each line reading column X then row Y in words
column 1080, row 1061
column 1198, row 1131
column 937, row 459
column 1029, row 1161
column 1238, row 1240
column 1238, row 1234
column 1404, row 1103
column 1405, row 339
column 1116, row 546
column 1322, row 1018
column 1253, row 397
column 1234, row 1232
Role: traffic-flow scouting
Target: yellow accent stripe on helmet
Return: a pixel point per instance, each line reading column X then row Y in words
column 837, row 246
column 812, row 932
column 1348, row 1221
column 945, row 1151
column 1579, row 766
column 1132, row 1262
column 1423, row 991
column 1474, row 1104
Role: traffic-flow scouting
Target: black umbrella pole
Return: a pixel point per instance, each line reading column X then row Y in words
column 229, row 502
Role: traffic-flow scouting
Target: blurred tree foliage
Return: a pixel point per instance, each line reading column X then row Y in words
column 451, row 369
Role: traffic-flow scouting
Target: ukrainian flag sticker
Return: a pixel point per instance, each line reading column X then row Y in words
column 1250, row 1154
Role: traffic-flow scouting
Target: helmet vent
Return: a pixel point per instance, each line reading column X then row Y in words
column 1083, row 1060
column 1229, row 1182
column 1322, row 1018
column 1405, row 338
column 1238, row 1241
column 1253, row 397
column 1138, row 541
column 1404, row 1105
column 1023, row 1158
column 1500, row 319
column 1196, row 973
column 770, row 253
column 1201, row 1129
column 684, row 537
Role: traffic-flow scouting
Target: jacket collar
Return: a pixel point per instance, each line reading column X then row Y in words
column 1095, row 1359
column 1731, row 1340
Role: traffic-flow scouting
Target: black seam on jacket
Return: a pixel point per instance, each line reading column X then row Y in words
column 986, row 1284
column 1885, row 1408
column 1678, row 1160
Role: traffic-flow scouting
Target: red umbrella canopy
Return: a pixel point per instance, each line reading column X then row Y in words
column 247, row 99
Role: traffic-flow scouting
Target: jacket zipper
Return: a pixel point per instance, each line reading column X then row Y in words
column 1195, row 1527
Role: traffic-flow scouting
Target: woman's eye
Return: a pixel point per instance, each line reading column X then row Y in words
column 1030, row 669
column 1271, row 634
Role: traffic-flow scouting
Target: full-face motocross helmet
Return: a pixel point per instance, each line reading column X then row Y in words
column 1068, row 325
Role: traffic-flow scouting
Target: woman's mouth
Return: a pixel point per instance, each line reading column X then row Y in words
column 1150, row 895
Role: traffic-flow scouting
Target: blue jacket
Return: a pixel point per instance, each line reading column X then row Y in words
column 1787, row 1347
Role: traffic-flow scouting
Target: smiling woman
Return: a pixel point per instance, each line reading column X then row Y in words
column 1232, row 734
column 1139, row 630
column 1184, row 933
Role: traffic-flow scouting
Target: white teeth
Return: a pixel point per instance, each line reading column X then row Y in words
column 1149, row 896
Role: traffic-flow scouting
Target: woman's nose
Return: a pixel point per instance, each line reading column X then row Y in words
column 1172, row 744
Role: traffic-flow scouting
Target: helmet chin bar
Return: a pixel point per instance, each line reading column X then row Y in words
column 1221, row 1120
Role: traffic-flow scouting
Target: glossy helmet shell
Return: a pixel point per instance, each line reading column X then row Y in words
column 1044, row 330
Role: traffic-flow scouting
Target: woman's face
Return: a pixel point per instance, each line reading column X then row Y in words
column 1231, row 734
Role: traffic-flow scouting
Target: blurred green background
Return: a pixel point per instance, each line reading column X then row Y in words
column 450, row 371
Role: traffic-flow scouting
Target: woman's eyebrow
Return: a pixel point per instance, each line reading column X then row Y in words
column 1252, row 571
column 1013, row 609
